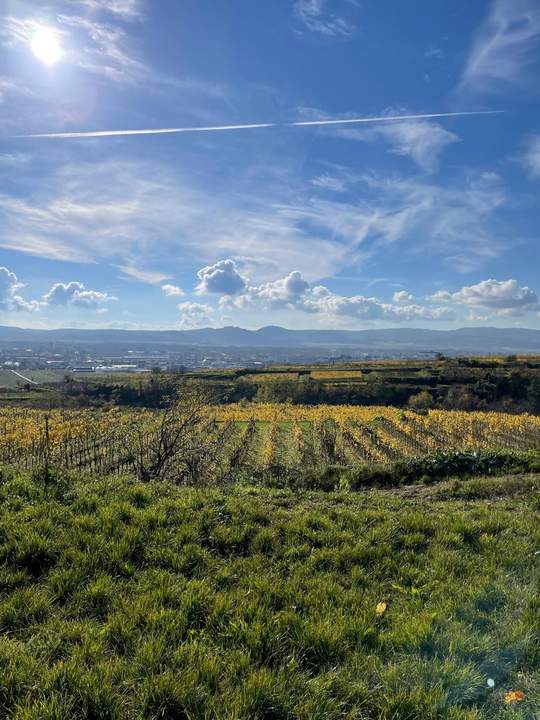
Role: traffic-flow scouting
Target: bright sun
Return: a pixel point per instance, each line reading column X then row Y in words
column 45, row 46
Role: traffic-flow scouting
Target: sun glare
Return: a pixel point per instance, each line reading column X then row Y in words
column 46, row 46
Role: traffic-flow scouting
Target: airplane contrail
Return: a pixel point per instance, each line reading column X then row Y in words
column 253, row 126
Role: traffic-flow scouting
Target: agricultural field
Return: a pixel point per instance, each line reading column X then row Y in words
column 336, row 374
column 271, row 376
column 268, row 561
column 263, row 435
column 9, row 379
column 129, row 601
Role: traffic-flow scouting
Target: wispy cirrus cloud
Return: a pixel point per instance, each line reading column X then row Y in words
column 138, row 215
column 328, row 182
column 150, row 277
column 420, row 140
column 531, row 156
column 93, row 45
column 105, row 51
column 109, row 212
column 505, row 50
column 12, row 87
column 97, row 46
column 316, row 16
column 123, row 9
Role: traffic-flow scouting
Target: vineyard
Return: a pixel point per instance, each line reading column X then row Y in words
column 260, row 436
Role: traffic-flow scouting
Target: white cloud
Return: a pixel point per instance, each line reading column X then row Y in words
column 402, row 296
column 315, row 17
column 504, row 296
column 7, row 86
column 434, row 52
column 222, row 278
column 140, row 214
column 452, row 221
column 422, row 141
column 105, row 50
column 98, row 47
column 123, row 9
column 295, row 293
column 152, row 277
column 15, row 159
column 505, row 49
column 195, row 315
column 475, row 317
column 284, row 292
column 9, row 297
column 531, row 159
column 137, row 214
column 95, row 46
column 74, row 293
column 360, row 307
column 441, row 296
column 172, row 290
column 328, row 182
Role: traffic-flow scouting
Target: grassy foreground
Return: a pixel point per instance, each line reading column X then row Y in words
column 124, row 600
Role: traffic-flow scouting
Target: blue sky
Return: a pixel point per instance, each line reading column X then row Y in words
column 421, row 222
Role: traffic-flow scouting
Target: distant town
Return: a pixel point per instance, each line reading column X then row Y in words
column 85, row 360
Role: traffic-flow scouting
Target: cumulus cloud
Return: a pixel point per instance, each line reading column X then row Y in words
column 9, row 296
column 74, row 293
column 283, row 292
column 195, row 315
column 504, row 296
column 295, row 293
column 222, row 278
column 441, row 296
column 360, row 307
column 531, row 159
column 172, row 290
column 402, row 296
column 505, row 49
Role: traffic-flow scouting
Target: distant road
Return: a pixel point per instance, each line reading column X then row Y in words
column 33, row 382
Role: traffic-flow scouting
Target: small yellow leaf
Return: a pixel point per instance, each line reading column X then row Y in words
column 513, row 696
column 381, row 608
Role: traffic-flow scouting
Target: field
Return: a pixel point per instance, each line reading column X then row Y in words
column 9, row 379
column 508, row 384
column 128, row 600
column 268, row 561
column 264, row 435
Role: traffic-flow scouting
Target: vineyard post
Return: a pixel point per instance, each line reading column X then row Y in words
column 47, row 439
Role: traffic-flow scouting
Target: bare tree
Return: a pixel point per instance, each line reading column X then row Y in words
column 182, row 445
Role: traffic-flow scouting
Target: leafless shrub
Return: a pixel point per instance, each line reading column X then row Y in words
column 184, row 445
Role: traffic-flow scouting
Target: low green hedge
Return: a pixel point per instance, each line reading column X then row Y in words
column 430, row 468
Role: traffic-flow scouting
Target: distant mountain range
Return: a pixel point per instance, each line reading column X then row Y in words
column 472, row 340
